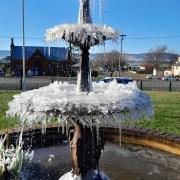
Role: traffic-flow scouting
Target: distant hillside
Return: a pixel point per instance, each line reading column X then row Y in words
column 137, row 58
column 4, row 53
column 130, row 57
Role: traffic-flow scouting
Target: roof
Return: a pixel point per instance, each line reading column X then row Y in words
column 50, row 53
column 5, row 60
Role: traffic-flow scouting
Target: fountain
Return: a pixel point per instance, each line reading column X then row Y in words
column 84, row 109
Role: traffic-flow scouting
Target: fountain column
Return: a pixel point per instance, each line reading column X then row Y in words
column 84, row 18
column 84, row 12
column 85, row 84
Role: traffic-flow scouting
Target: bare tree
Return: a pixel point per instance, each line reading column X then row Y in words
column 156, row 56
column 110, row 61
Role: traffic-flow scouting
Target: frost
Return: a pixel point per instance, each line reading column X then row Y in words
column 82, row 34
column 12, row 158
column 92, row 174
column 105, row 106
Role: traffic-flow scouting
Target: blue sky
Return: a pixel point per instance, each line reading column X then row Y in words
column 136, row 18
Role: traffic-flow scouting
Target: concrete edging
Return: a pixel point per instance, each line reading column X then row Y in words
column 132, row 135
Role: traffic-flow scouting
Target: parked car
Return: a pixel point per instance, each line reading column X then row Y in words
column 2, row 73
column 121, row 80
column 170, row 78
column 152, row 77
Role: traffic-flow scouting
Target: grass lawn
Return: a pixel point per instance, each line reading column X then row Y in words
column 166, row 106
column 167, row 112
column 5, row 97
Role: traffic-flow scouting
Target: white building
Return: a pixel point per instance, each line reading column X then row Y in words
column 176, row 68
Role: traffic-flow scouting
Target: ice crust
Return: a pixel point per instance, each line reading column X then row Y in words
column 12, row 158
column 105, row 106
column 81, row 34
column 91, row 175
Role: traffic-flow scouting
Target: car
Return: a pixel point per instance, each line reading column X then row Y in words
column 150, row 77
column 170, row 78
column 121, row 80
column 2, row 73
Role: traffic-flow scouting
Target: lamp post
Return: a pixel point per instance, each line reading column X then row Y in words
column 120, row 58
column 23, row 49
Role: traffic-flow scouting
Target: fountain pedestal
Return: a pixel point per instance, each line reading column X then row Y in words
column 85, row 149
column 85, row 84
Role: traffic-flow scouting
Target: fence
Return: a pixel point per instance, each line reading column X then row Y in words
column 158, row 85
column 34, row 83
column 31, row 83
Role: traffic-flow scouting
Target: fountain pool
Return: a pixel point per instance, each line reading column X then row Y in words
column 127, row 163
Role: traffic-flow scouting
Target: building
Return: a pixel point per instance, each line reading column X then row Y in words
column 176, row 68
column 41, row 61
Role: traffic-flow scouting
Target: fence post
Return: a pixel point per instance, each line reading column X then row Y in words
column 21, row 84
column 170, row 86
column 141, row 85
column 52, row 80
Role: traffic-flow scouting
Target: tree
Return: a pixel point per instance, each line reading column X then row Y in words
column 109, row 61
column 156, row 56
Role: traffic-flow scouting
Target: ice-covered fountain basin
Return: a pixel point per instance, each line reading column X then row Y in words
column 105, row 106
column 82, row 34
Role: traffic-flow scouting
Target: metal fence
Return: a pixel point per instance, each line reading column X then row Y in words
column 31, row 83
column 34, row 83
column 159, row 85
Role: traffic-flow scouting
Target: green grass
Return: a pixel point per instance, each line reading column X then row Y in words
column 166, row 112
column 5, row 97
column 166, row 116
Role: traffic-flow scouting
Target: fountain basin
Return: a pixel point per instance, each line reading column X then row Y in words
column 130, row 135
column 106, row 106
column 82, row 34
column 145, row 163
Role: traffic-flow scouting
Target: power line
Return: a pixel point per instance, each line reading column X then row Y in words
column 154, row 37
column 19, row 37
column 128, row 38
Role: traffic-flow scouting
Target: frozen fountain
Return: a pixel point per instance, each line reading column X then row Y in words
column 81, row 110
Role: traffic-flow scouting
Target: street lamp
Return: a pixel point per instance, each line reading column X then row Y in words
column 23, row 49
column 120, row 58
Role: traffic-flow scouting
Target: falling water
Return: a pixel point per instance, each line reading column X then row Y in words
column 101, row 8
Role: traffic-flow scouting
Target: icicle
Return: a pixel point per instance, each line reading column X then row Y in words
column 101, row 8
column 49, row 51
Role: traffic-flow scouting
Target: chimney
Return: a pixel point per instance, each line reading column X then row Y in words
column 12, row 45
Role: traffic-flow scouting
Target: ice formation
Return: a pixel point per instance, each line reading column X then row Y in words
column 12, row 158
column 106, row 105
column 82, row 34
column 91, row 175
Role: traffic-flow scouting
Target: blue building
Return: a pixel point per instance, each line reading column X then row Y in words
column 41, row 61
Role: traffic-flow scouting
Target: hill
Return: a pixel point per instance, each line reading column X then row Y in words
column 4, row 53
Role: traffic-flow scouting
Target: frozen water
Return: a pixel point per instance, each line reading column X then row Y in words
column 82, row 34
column 12, row 158
column 106, row 105
column 91, row 175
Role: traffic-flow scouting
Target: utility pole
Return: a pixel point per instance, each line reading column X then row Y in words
column 23, row 49
column 120, row 58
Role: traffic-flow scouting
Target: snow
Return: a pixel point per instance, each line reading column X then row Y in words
column 105, row 106
column 82, row 34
